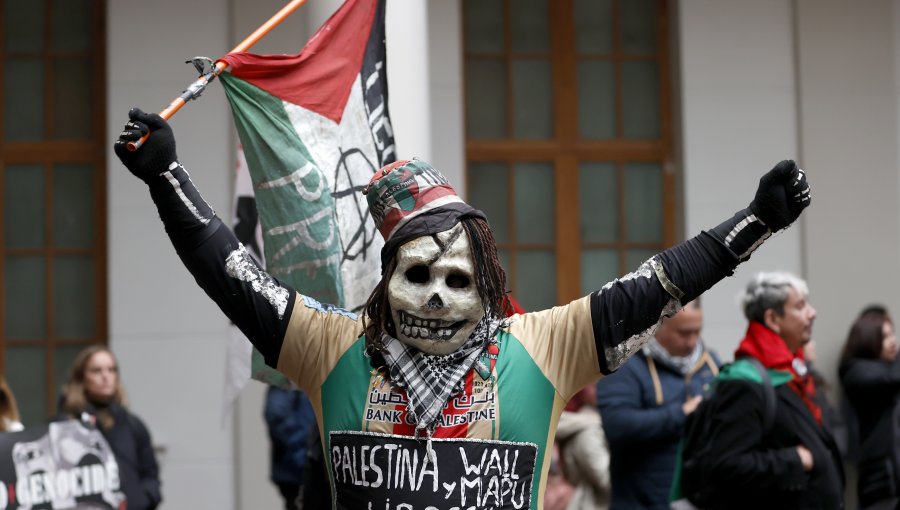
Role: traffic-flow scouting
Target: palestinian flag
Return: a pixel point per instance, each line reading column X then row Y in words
column 314, row 129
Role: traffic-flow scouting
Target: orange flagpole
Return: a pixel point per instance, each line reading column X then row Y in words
column 194, row 89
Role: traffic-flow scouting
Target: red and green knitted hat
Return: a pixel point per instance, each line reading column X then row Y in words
column 410, row 199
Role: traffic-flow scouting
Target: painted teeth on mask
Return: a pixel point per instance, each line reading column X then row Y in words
column 434, row 329
column 413, row 321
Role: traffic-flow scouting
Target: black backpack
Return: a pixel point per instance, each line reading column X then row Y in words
column 695, row 449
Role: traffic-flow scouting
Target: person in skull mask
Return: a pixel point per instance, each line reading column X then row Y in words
column 434, row 398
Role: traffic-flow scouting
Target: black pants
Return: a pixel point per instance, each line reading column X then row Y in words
column 293, row 496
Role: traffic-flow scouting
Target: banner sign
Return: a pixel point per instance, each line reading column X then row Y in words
column 389, row 472
column 58, row 466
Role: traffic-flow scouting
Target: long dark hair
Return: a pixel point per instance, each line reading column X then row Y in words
column 866, row 336
column 489, row 275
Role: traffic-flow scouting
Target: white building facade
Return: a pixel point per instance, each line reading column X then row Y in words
column 751, row 83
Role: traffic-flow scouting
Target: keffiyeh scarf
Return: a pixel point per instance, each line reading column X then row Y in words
column 430, row 380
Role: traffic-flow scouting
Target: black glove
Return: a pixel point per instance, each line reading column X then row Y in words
column 782, row 194
column 187, row 217
column 156, row 154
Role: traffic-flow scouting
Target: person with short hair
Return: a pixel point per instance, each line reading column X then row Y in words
column 781, row 456
column 870, row 375
column 644, row 406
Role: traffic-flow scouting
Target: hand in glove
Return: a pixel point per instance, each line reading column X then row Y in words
column 181, row 208
column 156, row 154
column 688, row 269
column 782, row 194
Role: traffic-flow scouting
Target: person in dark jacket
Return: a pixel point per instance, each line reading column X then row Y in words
column 94, row 395
column 870, row 375
column 835, row 418
column 794, row 463
column 644, row 406
column 290, row 419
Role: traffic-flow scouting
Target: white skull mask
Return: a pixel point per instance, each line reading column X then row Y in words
column 433, row 296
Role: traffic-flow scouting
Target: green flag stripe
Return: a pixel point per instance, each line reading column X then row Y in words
column 296, row 208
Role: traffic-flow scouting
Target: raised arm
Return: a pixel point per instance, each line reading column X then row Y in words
column 257, row 303
column 626, row 311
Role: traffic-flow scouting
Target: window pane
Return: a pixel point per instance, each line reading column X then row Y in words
column 72, row 99
column 597, row 202
column 74, row 296
column 640, row 99
column 73, row 206
column 536, row 280
column 530, row 26
column 638, row 26
column 26, row 372
column 486, row 99
column 532, row 99
column 63, row 356
column 23, row 117
column 24, row 305
column 23, row 206
column 23, row 25
column 71, row 25
column 643, row 202
column 483, row 21
column 596, row 100
column 597, row 268
column 534, row 203
column 489, row 192
column 634, row 258
column 593, row 26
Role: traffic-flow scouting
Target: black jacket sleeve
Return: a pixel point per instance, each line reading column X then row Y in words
column 148, row 469
column 257, row 303
column 868, row 377
column 626, row 311
column 738, row 461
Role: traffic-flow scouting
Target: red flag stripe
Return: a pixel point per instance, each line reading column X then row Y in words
column 320, row 77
